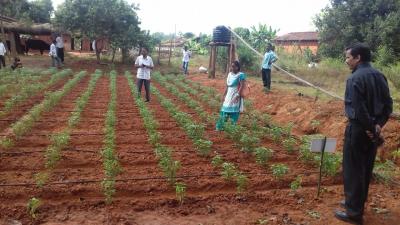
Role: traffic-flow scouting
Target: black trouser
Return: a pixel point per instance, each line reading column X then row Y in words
column 146, row 83
column 2, row 61
column 60, row 54
column 358, row 162
column 266, row 77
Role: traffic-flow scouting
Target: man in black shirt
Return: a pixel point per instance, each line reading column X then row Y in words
column 368, row 106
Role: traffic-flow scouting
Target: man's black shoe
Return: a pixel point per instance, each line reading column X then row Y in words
column 147, row 101
column 343, row 216
column 343, row 203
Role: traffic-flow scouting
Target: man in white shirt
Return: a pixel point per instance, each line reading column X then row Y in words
column 185, row 59
column 55, row 61
column 144, row 65
column 60, row 48
column 2, row 54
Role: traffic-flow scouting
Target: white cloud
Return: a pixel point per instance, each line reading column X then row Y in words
column 198, row 15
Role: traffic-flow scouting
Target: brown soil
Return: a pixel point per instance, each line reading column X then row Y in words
column 286, row 106
column 144, row 197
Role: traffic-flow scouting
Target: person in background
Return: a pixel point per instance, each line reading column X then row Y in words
column 367, row 106
column 233, row 96
column 60, row 48
column 269, row 58
column 144, row 65
column 185, row 59
column 55, row 60
column 2, row 54
column 16, row 64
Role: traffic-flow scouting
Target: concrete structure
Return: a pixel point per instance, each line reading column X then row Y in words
column 298, row 41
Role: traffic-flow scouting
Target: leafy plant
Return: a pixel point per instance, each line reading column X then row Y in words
column 279, row 170
column 32, row 206
column 108, row 189
column 248, row 142
column 203, row 146
column 384, row 171
column 396, row 154
column 217, row 161
column 241, row 182
column 41, row 178
column 262, row 155
column 296, row 184
column 276, row 133
column 180, row 189
column 289, row 144
column 228, row 171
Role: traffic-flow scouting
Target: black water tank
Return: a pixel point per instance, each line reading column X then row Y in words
column 221, row 34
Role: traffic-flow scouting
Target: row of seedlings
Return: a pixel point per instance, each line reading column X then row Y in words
column 31, row 90
column 60, row 140
column 21, row 80
column 25, row 124
column 110, row 159
column 195, row 132
column 261, row 124
column 168, row 165
column 9, row 76
column 247, row 141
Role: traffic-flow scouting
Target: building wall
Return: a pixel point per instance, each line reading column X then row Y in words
column 298, row 46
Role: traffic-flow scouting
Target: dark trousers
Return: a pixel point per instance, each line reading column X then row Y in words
column 146, row 83
column 2, row 61
column 60, row 54
column 266, row 77
column 358, row 162
column 185, row 66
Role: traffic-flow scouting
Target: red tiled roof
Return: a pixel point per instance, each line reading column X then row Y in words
column 299, row 36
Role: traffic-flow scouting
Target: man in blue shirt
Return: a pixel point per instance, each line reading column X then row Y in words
column 269, row 58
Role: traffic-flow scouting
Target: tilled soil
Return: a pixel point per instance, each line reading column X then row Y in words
column 144, row 196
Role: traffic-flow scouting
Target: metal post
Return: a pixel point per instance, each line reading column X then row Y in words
column 320, row 165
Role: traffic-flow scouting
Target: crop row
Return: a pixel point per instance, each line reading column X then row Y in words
column 61, row 139
column 110, row 160
column 29, row 91
column 24, row 124
column 260, row 126
column 195, row 131
column 166, row 162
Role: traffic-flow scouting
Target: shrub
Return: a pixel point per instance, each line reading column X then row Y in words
column 279, row 170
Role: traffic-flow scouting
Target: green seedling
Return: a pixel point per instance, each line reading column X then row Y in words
column 217, row 161
column 180, row 190
column 228, row 171
column 279, row 170
column 296, row 184
column 262, row 155
column 32, row 206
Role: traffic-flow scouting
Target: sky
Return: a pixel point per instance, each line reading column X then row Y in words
column 197, row 16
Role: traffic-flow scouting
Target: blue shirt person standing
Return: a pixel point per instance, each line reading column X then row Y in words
column 269, row 58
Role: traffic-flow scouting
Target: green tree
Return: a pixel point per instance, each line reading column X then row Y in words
column 16, row 9
column 375, row 22
column 261, row 36
column 115, row 20
column 40, row 11
column 243, row 33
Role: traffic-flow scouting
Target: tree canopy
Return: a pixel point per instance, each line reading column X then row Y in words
column 374, row 22
column 38, row 11
column 115, row 20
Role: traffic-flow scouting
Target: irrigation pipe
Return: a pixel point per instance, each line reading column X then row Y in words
column 394, row 114
column 131, row 179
